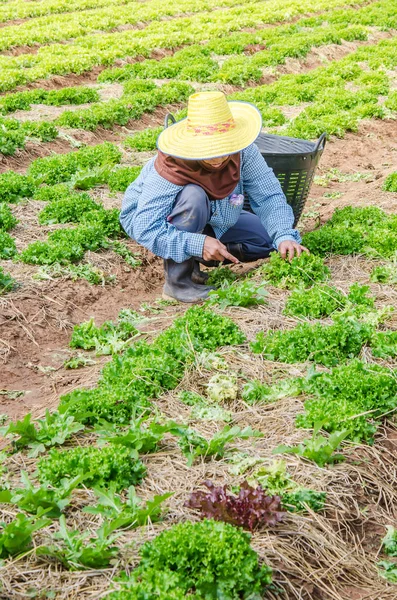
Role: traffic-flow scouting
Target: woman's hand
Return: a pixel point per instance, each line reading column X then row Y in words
column 215, row 250
column 289, row 249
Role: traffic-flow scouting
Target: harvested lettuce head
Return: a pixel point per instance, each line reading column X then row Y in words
column 223, row 387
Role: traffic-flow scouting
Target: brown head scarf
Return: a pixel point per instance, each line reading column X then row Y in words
column 218, row 182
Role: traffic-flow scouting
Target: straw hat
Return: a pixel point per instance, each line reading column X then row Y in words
column 213, row 127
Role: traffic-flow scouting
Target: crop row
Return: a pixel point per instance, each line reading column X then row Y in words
column 62, row 175
column 295, row 41
column 55, row 28
column 334, row 105
column 25, row 10
column 339, row 95
column 7, row 244
column 68, row 95
column 139, row 97
column 84, row 53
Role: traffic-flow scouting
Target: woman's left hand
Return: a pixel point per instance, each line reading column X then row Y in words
column 289, row 249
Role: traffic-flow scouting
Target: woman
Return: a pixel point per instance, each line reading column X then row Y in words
column 187, row 203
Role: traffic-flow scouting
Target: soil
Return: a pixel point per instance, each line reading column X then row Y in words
column 36, row 320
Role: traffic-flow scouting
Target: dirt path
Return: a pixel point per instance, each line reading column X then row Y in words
column 36, row 320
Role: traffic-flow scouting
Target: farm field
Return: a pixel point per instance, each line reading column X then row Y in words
column 244, row 448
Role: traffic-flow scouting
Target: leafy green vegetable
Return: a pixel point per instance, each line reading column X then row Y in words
column 221, row 275
column 388, row 570
column 6, row 282
column 141, row 437
column 65, row 245
column 201, row 409
column 143, row 141
column 130, row 258
column 351, row 230
column 14, row 133
column 240, row 462
column 303, row 270
column 109, row 338
column 7, row 245
column 199, row 557
column 199, row 329
column 255, row 392
column 68, row 210
column 211, row 413
column 16, row 537
column 38, row 499
column 299, row 499
column 384, row 273
column 134, row 512
column 194, row 445
column 275, row 479
column 104, row 402
column 222, row 387
column 87, row 178
column 122, row 177
column 191, row 398
column 53, row 430
column 318, row 448
column 99, row 466
column 107, row 220
column 389, row 542
column 14, row 186
column 390, row 184
column 85, row 271
column 7, row 219
column 77, row 361
column 44, row 131
column 62, row 167
column 322, row 344
column 68, row 95
column 350, row 397
column 136, row 100
column 322, row 300
column 245, row 293
column 77, row 550
column 384, row 344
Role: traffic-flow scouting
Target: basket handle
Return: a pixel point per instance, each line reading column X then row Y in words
column 169, row 117
column 321, row 142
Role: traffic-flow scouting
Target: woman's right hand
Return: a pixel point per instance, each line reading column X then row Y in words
column 215, row 250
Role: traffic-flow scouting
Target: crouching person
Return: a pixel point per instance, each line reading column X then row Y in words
column 187, row 203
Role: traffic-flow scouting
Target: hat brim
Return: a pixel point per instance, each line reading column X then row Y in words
column 177, row 141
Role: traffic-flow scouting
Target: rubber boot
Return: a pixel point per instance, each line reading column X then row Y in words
column 199, row 276
column 179, row 285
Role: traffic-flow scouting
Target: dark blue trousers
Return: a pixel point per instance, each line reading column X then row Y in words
column 247, row 239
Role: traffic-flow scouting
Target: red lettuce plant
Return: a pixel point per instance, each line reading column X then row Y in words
column 250, row 508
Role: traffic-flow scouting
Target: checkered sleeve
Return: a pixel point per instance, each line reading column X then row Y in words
column 150, row 227
column 267, row 198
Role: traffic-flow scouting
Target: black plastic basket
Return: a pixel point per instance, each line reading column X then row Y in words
column 294, row 163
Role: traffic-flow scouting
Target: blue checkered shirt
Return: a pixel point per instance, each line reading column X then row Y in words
column 150, row 198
